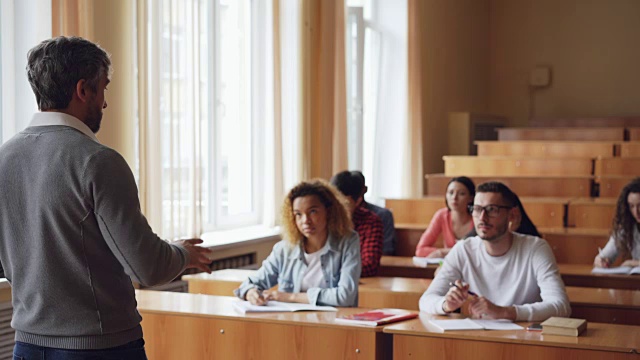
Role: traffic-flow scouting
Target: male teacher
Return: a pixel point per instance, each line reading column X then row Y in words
column 72, row 236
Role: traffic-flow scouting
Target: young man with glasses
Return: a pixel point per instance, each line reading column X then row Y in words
column 501, row 274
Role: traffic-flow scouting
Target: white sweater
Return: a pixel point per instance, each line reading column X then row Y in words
column 526, row 276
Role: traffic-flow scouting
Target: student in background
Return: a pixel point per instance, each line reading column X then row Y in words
column 625, row 234
column 504, row 275
column 318, row 260
column 388, row 226
column 521, row 222
column 452, row 222
column 367, row 224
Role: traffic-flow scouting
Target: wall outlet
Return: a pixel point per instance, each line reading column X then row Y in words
column 540, row 76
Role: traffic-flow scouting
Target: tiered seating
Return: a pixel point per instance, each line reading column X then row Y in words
column 516, row 166
column 555, row 149
column 610, row 186
column 594, row 213
column 525, row 186
column 567, row 178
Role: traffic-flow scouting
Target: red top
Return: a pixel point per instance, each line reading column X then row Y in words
column 440, row 224
column 369, row 227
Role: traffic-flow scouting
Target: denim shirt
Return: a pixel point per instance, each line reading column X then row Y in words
column 286, row 266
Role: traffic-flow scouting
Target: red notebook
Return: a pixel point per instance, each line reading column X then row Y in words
column 377, row 317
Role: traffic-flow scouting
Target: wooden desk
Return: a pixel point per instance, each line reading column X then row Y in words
column 516, row 166
column 610, row 186
column 408, row 236
column 580, row 275
column 594, row 304
column 221, row 282
column 545, row 148
column 572, row 274
column 531, row 186
column 629, row 166
column 630, row 148
column 417, row 211
column 415, row 339
column 191, row 326
column 594, row 213
column 575, row 245
column 402, row 266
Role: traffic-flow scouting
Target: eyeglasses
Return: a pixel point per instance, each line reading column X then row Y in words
column 490, row 210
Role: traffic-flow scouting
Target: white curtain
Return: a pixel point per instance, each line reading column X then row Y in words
column 172, row 115
column 23, row 24
column 176, row 107
column 282, row 137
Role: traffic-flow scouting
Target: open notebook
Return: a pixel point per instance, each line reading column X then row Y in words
column 274, row 306
column 623, row 270
column 469, row 324
column 423, row 261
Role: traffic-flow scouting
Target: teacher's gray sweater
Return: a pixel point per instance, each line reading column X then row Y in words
column 71, row 239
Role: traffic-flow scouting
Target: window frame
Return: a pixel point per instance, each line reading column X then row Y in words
column 216, row 220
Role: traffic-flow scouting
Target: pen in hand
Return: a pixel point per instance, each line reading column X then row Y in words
column 458, row 287
column 603, row 259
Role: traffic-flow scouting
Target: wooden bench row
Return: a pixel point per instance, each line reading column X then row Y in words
column 540, row 166
column 569, row 133
column 542, row 185
column 570, row 246
column 587, row 213
column 611, row 306
column 559, row 149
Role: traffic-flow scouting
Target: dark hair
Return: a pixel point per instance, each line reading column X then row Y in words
column 338, row 218
column 55, row 66
column 359, row 175
column 468, row 183
column 509, row 196
column 349, row 184
column 526, row 225
column 623, row 221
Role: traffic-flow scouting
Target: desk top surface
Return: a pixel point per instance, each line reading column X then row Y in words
column 221, row 307
column 598, row 336
column 620, row 298
column 221, row 275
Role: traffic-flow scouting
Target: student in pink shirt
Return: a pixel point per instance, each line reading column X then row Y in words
column 453, row 222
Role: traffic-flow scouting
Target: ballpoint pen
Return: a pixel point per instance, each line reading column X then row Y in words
column 458, row 287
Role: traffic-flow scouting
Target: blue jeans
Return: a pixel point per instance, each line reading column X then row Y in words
column 130, row 351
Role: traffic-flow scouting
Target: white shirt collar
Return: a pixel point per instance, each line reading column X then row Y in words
column 51, row 118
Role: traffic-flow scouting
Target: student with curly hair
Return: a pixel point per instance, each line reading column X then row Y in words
column 318, row 260
column 625, row 232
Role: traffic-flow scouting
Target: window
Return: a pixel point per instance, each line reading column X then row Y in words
column 203, row 159
column 362, row 67
column 234, row 122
